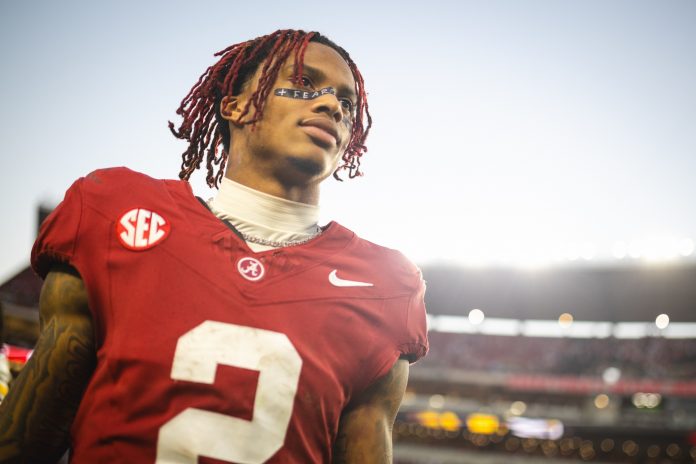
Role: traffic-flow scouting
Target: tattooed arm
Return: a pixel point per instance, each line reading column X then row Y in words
column 36, row 416
column 365, row 430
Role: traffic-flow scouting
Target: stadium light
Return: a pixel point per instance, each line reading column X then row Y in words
column 662, row 321
column 572, row 252
column 620, row 250
column 484, row 424
column 543, row 429
column 607, row 445
column 646, row 400
column 565, row 320
column 601, row 401
column 635, row 249
column 554, row 328
column 588, row 251
column 686, row 247
column 436, row 401
column 611, row 375
column 517, row 408
column 476, row 316
column 660, row 248
column 630, row 447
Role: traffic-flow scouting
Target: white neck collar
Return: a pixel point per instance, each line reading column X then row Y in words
column 262, row 215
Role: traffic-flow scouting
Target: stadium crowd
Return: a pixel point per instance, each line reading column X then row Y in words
column 644, row 358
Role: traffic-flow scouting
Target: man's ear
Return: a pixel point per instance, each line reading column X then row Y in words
column 231, row 109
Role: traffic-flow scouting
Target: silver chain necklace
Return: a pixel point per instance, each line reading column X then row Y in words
column 278, row 244
column 260, row 240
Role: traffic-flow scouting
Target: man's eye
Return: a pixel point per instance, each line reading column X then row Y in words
column 347, row 105
column 305, row 81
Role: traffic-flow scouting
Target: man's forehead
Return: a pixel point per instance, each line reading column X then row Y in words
column 323, row 62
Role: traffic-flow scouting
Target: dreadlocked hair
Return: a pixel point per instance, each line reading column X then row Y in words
column 204, row 127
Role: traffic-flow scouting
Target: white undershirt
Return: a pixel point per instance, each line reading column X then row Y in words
column 262, row 215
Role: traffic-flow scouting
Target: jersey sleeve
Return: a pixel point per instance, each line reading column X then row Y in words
column 405, row 332
column 415, row 345
column 59, row 233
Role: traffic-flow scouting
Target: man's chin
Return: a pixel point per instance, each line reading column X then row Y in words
column 308, row 166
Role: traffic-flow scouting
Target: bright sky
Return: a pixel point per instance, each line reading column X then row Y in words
column 499, row 125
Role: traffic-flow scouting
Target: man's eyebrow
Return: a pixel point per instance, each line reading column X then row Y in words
column 318, row 74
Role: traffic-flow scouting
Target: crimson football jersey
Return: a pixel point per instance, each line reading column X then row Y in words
column 208, row 349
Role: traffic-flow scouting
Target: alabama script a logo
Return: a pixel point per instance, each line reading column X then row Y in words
column 140, row 229
column 251, row 268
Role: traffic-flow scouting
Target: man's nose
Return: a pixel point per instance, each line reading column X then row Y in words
column 330, row 105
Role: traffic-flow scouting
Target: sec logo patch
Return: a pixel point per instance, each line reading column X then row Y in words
column 140, row 229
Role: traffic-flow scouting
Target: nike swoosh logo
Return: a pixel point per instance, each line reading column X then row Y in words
column 338, row 282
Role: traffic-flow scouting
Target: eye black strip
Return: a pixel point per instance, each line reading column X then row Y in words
column 304, row 94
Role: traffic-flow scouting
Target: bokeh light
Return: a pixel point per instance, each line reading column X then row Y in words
column 620, row 250
column 646, row 400
column 518, row 408
column 601, row 401
column 611, row 375
column 436, row 401
column 686, row 247
column 476, row 316
column 565, row 320
column 662, row 321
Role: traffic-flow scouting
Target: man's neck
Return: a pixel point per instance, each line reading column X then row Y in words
column 271, row 185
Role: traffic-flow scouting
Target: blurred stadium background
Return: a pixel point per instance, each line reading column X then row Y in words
column 494, row 120
column 580, row 360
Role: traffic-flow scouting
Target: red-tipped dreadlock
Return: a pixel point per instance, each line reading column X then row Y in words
column 205, row 129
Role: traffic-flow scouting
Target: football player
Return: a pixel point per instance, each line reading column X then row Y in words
column 236, row 329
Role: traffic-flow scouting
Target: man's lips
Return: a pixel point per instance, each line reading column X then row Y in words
column 322, row 130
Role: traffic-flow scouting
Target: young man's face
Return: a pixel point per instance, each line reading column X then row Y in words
column 300, row 140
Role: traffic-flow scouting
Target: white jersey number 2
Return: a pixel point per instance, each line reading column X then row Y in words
column 197, row 432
